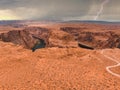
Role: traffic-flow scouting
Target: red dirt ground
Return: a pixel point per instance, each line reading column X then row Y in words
column 56, row 69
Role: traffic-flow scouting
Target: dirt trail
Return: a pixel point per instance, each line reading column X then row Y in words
column 113, row 66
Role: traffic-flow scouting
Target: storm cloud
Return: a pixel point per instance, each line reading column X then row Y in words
column 59, row 9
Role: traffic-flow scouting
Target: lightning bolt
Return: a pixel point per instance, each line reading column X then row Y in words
column 101, row 9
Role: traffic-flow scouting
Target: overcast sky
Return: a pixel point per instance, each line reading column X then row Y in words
column 59, row 9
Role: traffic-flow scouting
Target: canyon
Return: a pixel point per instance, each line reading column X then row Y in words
column 60, row 56
column 97, row 36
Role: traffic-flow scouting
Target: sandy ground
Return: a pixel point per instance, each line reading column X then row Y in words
column 57, row 69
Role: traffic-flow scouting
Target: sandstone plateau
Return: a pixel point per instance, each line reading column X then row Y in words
column 67, row 56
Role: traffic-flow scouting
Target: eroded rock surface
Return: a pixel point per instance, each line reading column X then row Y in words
column 97, row 39
column 66, row 35
column 22, row 37
column 28, row 37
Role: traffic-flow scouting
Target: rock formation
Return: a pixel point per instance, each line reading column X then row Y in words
column 65, row 35
column 29, row 37
column 23, row 38
column 97, row 39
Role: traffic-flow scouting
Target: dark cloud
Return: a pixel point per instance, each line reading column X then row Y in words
column 59, row 9
column 111, row 11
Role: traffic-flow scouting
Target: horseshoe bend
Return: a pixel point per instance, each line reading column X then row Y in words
column 59, row 56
